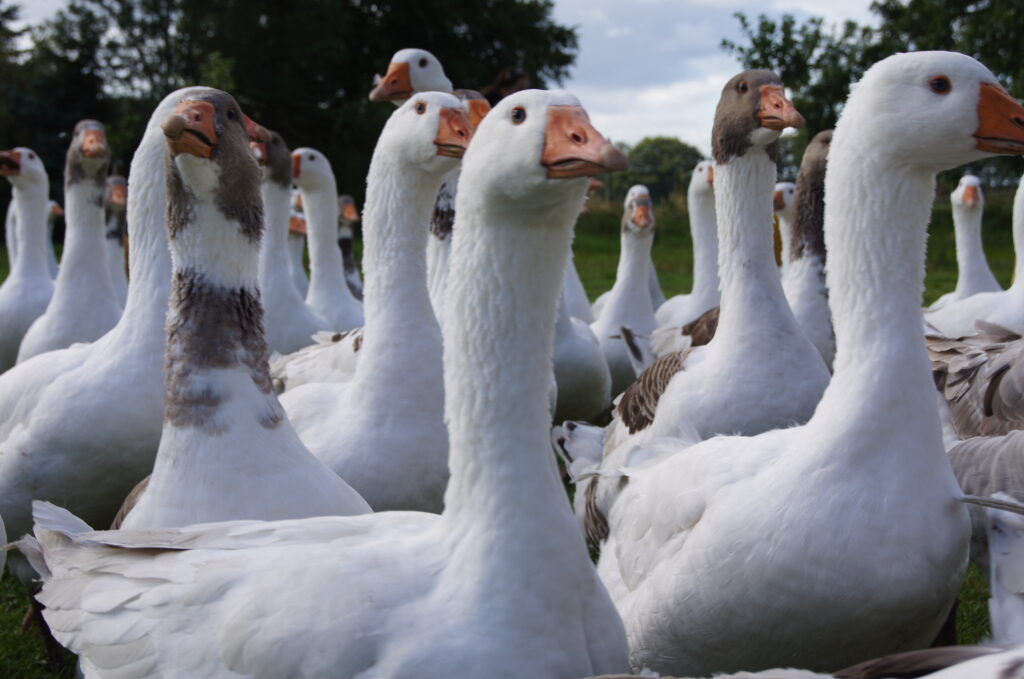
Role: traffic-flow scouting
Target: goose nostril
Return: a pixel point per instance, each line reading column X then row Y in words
column 1018, row 121
column 578, row 138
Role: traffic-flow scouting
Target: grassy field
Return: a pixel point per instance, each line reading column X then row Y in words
column 597, row 250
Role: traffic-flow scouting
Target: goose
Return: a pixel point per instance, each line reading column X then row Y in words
column 700, row 201
column 227, row 450
column 27, row 290
column 82, row 425
column 1002, row 307
column 348, row 215
column 383, row 431
column 328, row 292
column 53, row 212
column 803, row 268
column 1006, row 580
column 410, row 71
column 297, row 244
column 575, row 294
column 783, row 204
column 11, row 233
column 583, row 382
column 629, row 302
column 290, row 322
column 246, row 589
column 686, row 527
column 115, row 202
column 973, row 272
column 84, row 305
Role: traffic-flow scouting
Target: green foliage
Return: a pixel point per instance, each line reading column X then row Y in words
column 662, row 164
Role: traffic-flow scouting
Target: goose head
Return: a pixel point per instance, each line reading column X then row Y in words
column 115, row 198
column 931, row 111
column 22, row 167
column 782, row 199
column 88, row 155
column 411, row 70
column 752, row 112
column 702, row 179
column 429, row 132
column 548, row 147
column 55, row 210
column 311, row 171
column 274, row 158
column 347, row 211
column 211, row 161
column 638, row 217
column 968, row 194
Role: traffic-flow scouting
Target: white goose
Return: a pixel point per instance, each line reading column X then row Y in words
column 629, row 303
column 348, row 215
column 584, row 384
column 227, row 451
column 115, row 204
column 223, row 600
column 290, row 322
column 27, row 290
column 82, row 425
column 1002, row 307
column 700, row 201
column 688, row 527
column 783, row 204
column 383, row 431
column 328, row 292
column 973, row 272
column 84, row 305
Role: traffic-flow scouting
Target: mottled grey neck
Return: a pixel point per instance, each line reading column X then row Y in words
column 809, row 213
column 117, row 225
column 443, row 219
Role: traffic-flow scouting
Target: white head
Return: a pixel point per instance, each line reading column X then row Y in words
column 411, row 70
column 547, row 149
column 311, row 170
column 702, row 179
column 430, row 132
column 930, row 111
column 782, row 200
column 968, row 193
column 638, row 215
column 23, row 168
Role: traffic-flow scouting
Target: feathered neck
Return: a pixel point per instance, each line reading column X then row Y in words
column 704, row 232
column 1018, row 236
column 972, row 267
column 30, row 207
column 84, row 237
column 327, row 276
column 274, row 267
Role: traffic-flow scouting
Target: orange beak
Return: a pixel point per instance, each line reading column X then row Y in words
column 478, row 108
column 396, row 84
column 58, row 211
column 257, row 133
column 1000, row 122
column 711, row 175
column 297, row 168
column 118, row 195
column 297, row 225
column 778, row 202
column 259, row 152
column 10, row 163
column 349, row 212
column 573, row 148
column 94, row 144
column 190, row 129
column 297, row 202
column 642, row 216
column 777, row 112
column 971, row 195
column 453, row 133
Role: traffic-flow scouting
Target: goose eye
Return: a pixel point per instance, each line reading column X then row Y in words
column 312, row 157
column 423, row 62
column 518, row 115
column 231, row 114
column 421, row 108
column 940, row 85
column 742, row 87
column 32, row 156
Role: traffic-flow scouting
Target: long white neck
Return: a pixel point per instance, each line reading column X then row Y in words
column 506, row 273
column 751, row 288
column 11, row 232
column 972, row 267
column 82, row 264
column 876, row 252
column 327, row 276
column 704, row 232
column 399, row 201
column 786, row 236
column 30, row 207
column 275, row 270
column 1018, row 236
column 630, row 296
column 149, row 261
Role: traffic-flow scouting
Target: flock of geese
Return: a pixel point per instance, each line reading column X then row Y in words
column 339, row 477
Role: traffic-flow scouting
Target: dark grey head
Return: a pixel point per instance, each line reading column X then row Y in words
column 275, row 156
column 115, row 198
column 210, row 159
column 347, row 210
column 753, row 109
column 88, row 156
column 809, row 201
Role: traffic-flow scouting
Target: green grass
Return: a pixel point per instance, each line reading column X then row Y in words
column 597, row 251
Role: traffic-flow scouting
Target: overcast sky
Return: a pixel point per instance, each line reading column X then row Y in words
column 646, row 67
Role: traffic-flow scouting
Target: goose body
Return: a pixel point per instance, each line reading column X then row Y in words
column 584, row 384
column 441, row 580
column 1002, row 307
column 84, row 305
column 27, row 290
column 973, row 272
column 817, row 489
column 226, row 451
column 115, row 203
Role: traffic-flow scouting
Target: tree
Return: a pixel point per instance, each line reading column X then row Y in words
column 662, row 164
